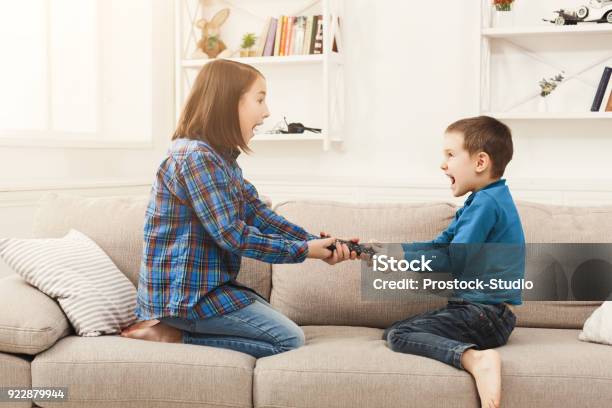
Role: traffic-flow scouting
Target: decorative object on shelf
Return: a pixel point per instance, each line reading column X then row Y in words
column 503, row 16
column 546, row 88
column 549, row 85
column 248, row 41
column 297, row 127
column 598, row 11
column 210, row 43
column 291, row 128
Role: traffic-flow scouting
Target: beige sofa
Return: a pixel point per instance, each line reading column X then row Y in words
column 344, row 362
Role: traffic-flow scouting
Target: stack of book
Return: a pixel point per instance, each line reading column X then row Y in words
column 603, row 96
column 291, row 35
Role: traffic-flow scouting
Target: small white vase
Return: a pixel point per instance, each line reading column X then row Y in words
column 503, row 18
column 542, row 104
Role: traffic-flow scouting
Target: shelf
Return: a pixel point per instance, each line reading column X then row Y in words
column 288, row 137
column 549, row 115
column 510, row 32
column 317, row 78
column 290, row 59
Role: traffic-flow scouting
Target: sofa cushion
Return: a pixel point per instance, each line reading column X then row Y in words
column 30, row 321
column 15, row 373
column 313, row 293
column 116, row 224
column 112, row 371
column 352, row 366
column 544, row 223
column 97, row 298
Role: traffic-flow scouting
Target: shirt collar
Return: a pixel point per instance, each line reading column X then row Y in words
column 500, row 182
column 231, row 154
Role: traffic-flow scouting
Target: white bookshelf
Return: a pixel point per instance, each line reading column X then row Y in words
column 513, row 60
column 549, row 115
column 509, row 32
column 304, row 88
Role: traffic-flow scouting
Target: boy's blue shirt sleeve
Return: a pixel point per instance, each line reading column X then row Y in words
column 472, row 225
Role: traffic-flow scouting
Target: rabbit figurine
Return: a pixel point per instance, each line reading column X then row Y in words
column 210, row 43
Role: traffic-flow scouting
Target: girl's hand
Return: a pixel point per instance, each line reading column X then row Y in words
column 317, row 248
column 342, row 252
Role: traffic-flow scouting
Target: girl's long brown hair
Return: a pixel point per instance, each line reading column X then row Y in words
column 211, row 111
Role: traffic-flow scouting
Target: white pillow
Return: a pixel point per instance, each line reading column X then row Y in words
column 96, row 297
column 598, row 327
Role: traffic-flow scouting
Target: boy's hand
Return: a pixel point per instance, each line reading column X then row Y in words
column 342, row 252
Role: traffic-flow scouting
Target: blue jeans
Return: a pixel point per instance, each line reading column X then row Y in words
column 444, row 334
column 256, row 329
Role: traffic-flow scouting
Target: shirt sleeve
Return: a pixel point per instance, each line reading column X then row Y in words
column 267, row 221
column 208, row 188
column 452, row 249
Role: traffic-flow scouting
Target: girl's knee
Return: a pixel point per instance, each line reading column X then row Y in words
column 292, row 340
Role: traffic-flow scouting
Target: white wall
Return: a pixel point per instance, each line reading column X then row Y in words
column 413, row 68
column 407, row 78
column 28, row 171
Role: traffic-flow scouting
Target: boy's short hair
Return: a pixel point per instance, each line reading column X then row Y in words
column 489, row 135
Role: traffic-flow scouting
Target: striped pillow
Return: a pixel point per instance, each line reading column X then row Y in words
column 96, row 297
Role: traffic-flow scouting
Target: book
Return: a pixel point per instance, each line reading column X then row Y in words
column 307, row 35
column 601, row 89
column 318, row 43
column 277, row 39
column 607, row 106
column 269, row 46
column 283, row 45
column 261, row 40
column 313, row 34
column 299, row 29
column 289, row 31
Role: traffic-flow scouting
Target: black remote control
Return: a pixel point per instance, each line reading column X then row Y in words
column 353, row 247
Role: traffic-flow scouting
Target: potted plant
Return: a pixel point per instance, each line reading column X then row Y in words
column 248, row 41
column 546, row 88
column 502, row 15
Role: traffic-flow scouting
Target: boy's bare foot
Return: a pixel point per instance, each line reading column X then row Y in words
column 485, row 367
column 159, row 332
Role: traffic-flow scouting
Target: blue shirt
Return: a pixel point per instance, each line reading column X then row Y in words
column 202, row 217
column 484, row 241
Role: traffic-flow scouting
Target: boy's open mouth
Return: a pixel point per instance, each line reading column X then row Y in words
column 452, row 179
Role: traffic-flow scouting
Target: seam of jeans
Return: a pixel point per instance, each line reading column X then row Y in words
column 458, row 352
column 237, row 319
column 245, row 340
column 430, row 346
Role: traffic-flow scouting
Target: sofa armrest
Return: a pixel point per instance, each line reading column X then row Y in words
column 30, row 321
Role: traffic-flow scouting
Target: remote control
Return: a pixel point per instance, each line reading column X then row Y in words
column 353, row 247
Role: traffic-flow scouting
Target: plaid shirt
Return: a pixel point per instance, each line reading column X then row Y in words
column 201, row 218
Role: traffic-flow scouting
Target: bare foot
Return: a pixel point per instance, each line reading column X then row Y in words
column 485, row 367
column 139, row 325
column 159, row 332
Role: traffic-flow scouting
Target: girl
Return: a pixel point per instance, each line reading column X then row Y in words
column 203, row 216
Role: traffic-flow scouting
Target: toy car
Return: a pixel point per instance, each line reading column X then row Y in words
column 598, row 11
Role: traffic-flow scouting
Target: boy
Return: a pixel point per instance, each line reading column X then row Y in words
column 463, row 333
